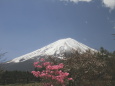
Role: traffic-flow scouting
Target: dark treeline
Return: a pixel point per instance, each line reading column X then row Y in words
column 12, row 77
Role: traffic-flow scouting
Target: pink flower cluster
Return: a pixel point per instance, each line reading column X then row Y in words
column 51, row 72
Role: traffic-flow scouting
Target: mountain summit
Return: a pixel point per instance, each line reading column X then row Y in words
column 57, row 48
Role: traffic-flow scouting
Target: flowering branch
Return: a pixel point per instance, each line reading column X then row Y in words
column 52, row 73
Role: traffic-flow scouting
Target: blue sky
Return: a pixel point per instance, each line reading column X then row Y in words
column 27, row 25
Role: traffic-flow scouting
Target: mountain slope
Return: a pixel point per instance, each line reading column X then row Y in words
column 57, row 48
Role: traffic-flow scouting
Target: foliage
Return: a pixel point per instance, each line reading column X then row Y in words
column 87, row 69
column 1, row 68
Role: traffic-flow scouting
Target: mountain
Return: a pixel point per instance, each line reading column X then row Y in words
column 58, row 49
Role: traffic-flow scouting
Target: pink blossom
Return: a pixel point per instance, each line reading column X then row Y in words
column 48, row 67
column 46, row 63
column 39, row 66
column 66, row 74
column 42, row 74
column 51, row 72
column 42, row 59
column 53, row 77
column 35, row 73
column 61, row 65
column 70, row 78
column 36, row 63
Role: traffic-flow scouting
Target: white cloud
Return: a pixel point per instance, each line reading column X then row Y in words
column 85, row 0
column 109, row 3
column 80, row 0
column 76, row 1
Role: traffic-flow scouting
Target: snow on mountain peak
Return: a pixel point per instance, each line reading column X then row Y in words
column 57, row 48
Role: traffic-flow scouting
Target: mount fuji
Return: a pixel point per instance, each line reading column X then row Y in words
column 58, row 49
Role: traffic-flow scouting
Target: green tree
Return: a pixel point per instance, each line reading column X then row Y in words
column 85, row 68
column 1, row 60
column 1, row 68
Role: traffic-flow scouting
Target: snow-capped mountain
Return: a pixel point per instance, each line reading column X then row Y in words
column 57, row 48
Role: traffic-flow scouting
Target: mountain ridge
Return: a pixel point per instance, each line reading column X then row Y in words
column 57, row 47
